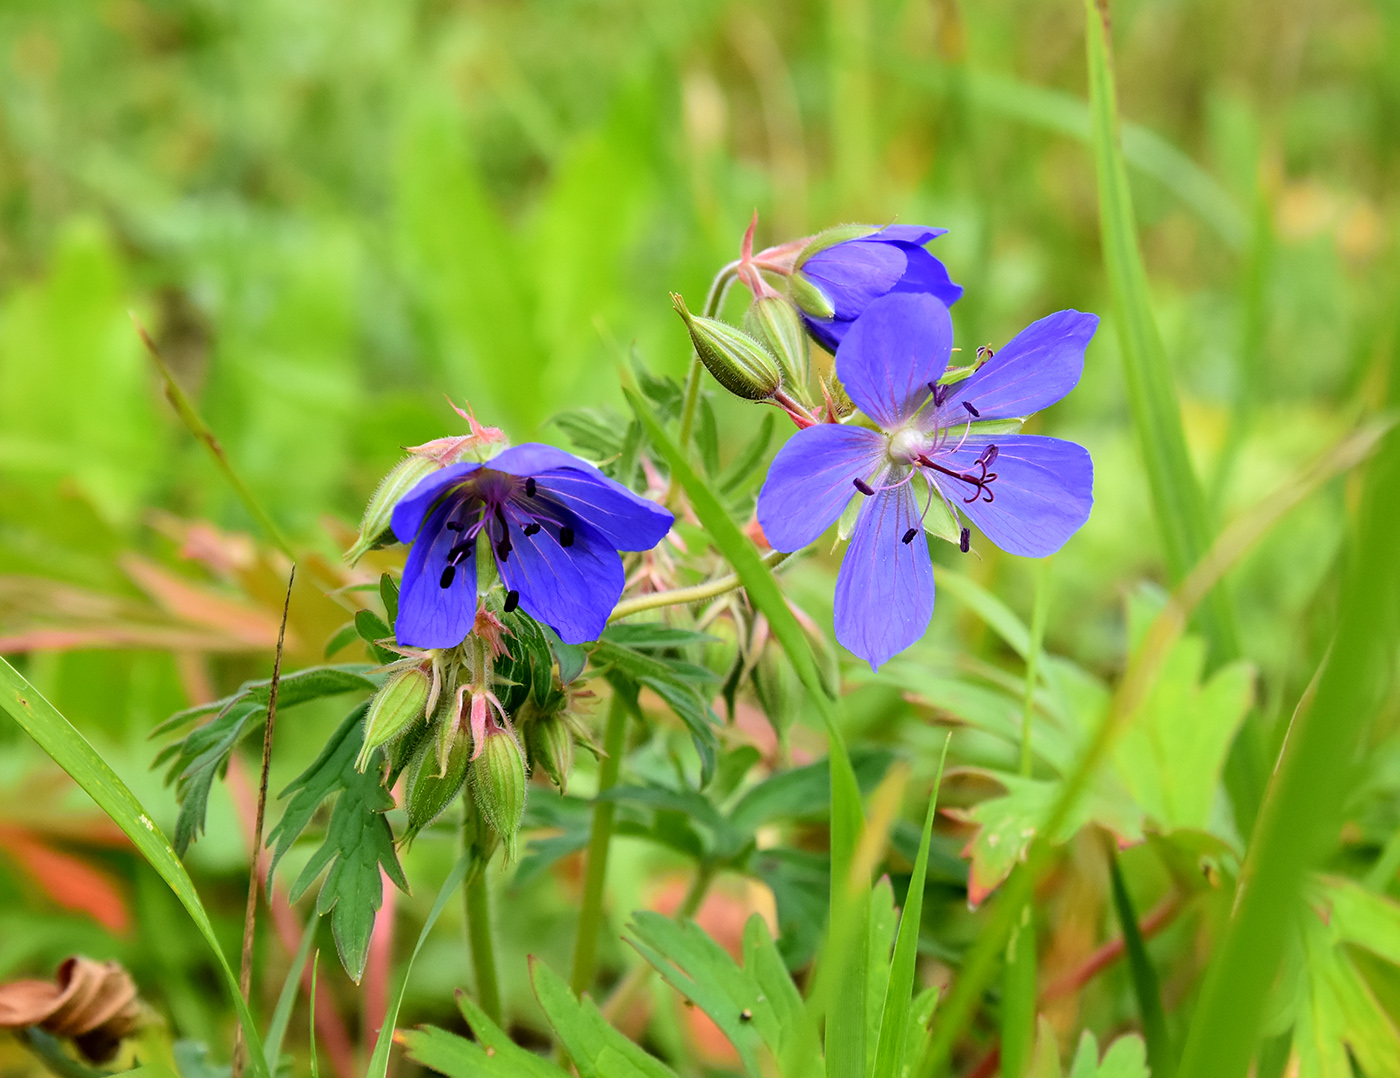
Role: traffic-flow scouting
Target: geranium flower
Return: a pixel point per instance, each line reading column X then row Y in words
column 856, row 272
column 1026, row 493
column 555, row 524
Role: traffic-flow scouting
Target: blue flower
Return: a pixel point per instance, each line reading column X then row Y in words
column 1027, row 494
column 555, row 524
column 855, row 273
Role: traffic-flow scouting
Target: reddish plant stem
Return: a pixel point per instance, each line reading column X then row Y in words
column 1152, row 923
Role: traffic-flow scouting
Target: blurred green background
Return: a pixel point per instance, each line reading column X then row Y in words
column 330, row 215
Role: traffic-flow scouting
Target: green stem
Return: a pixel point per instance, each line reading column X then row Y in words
column 196, row 425
column 1039, row 613
column 591, row 912
column 698, row 593
column 49, row 1051
column 704, row 874
column 1145, row 986
column 488, row 992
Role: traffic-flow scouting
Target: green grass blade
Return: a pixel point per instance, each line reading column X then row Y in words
column 282, row 1014
column 379, row 1061
column 1176, row 495
column 894, row 1024
column 1144, row 976
column 1301, row 814
column 846, row 1031
column 71, row 751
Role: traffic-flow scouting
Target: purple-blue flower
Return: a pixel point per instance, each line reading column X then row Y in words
column 855, row 273
column 1027, row 493
column 555, row 524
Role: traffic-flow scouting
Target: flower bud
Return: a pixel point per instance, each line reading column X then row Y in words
column 396, row 707
column 551, row 747
column 375, row 526
column 738, row 362
column 809, row 297
column 777, row 689
column 772, row 320
column 498, row 785
column 433, row 787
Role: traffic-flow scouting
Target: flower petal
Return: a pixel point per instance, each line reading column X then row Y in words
column 413, row 506
column 811, row 480
column 1042, row 494
column 573, row 588
column 927, row 274
column 1037, row 367
column 532, row 458
column 892, row 352
column 854, row 273
column 625, row 519
column 884, row 591
column 917, row 235
column 431, row 616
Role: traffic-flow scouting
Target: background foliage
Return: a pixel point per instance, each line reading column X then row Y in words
column 330, row 215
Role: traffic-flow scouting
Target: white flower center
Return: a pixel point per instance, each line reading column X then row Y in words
column 906, row 444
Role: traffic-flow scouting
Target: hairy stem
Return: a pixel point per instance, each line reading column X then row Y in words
column 698, row 593
column 250, row 910
column 591, row 912
column 478, row 902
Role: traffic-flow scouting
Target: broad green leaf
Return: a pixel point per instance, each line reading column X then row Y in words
column 71, row 751
column 379, row 1060
column 1339, row 1014
column 1172, row 755
column 596, row 1048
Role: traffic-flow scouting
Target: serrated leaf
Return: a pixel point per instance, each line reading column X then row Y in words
column 701, row 971
column 198, row 760
column 324, row 777
column 358, row 841
column 798, row 1048
column 596, row 1048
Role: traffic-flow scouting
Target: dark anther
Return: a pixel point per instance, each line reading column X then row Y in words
column 453, row 526
column 985, row 352
column 989, row 456
column 447, row 575
column 512, row 601
column 461, row 550
column 746, row 1015
column 531, row 528
column 909, row 536
column 566, row 536
column 970, row 408
column 940, row 393
column 530, row 487
column 864, row 487
column 965, row 540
